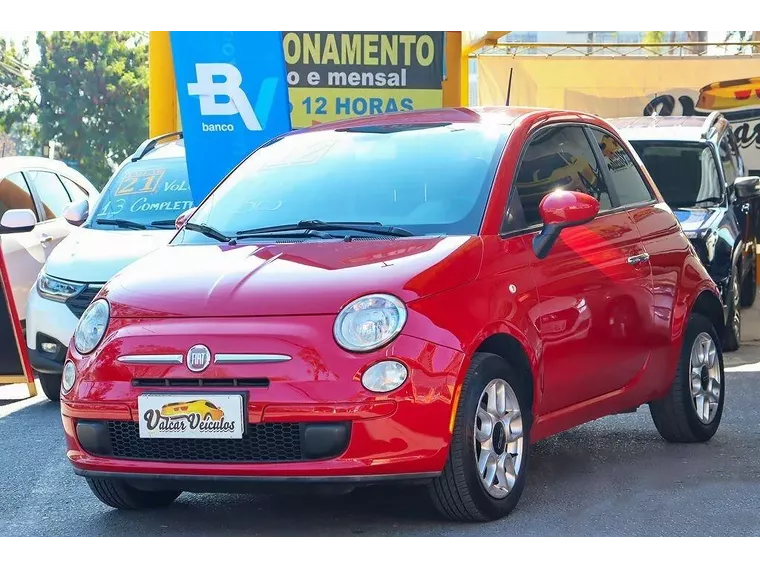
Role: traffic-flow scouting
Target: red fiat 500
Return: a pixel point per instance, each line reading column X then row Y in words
column 410, row 297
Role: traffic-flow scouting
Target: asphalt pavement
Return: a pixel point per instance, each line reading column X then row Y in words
column 614, row 476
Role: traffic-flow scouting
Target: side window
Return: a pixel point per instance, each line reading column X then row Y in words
column 51, row 191
column 624, row 176
column 736, row 153
column 557, row 158
column 75, row 191
column 15, row 194
column 729, row 160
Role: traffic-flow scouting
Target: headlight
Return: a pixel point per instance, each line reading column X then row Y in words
column 369, row 322
column 92, row 326
column 57, row 290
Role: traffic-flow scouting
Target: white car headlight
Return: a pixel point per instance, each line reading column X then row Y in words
column 92, row 326
column 56, row 289
column 369, row 322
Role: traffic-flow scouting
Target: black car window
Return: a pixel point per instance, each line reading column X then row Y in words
column 729, row 159
column 626, row 180
column 685, row 172
column 557, row 158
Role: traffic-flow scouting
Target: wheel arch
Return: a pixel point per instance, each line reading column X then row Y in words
column 509, row 348
column 737, row 255
column 709, row 305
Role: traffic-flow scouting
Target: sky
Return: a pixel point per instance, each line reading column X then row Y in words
column 17, row 33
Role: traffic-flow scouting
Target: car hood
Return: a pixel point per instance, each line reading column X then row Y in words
column 91, row 255
column 290, row 278
column 695, row 219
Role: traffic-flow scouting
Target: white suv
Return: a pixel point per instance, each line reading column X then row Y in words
column 34, row 193
column 135, row 215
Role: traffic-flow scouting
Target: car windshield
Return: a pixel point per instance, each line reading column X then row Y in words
column 148, row 193
column 424, row 179
column 684, row 172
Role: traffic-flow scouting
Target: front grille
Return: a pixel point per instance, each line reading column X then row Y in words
column 78, row 304
column 268, row 442
column 157, row 383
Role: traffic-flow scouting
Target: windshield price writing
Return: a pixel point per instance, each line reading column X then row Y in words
column 143, row 205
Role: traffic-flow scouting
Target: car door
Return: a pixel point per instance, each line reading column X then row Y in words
column 52, row 198
column 589, row 314
column 23, row 252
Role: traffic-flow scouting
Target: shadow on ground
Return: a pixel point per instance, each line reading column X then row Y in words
column 614, row 476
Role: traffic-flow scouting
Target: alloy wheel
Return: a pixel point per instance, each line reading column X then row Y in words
column 737, row 319
column 705, row 377
column 498, row 438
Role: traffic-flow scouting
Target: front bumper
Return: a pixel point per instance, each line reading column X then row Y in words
column 402, row 433
column 49, row 322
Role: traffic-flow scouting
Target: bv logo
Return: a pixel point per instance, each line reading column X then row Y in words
column 235, row 101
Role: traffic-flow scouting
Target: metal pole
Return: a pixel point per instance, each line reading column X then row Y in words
column 162, row 94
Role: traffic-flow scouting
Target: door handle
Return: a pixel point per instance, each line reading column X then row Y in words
column 46, row 239
column 638, row 259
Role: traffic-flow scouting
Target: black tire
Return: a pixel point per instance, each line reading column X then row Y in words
column 120, row 495
column 733, row 331
column 675, row 415
column 458, row 493
column 749, row 287
column 51, row 385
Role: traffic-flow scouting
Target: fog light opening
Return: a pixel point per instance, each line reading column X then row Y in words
column 69, row 376
column 49, row 347
column 384, row 376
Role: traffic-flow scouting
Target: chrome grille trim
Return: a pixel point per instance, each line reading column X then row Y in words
column 250, row 358
column 166, row 359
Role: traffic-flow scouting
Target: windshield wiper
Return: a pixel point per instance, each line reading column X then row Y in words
column 374, row 228
column 164, row 223
column 124, row 223
column 276, row 234
column 708, row 200
column 208, row 231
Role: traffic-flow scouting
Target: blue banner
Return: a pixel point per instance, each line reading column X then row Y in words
column 233, row 97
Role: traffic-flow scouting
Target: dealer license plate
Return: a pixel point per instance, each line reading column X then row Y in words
column 191, row 415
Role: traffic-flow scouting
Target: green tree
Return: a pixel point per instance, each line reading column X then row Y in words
column 654, row 38
column 93, row 96
column 16, row 95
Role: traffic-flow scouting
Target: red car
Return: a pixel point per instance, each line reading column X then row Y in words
column 383, row 299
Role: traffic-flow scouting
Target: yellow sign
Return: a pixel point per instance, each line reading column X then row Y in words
column 629, row 86
column 337, row 75
column 149, row 178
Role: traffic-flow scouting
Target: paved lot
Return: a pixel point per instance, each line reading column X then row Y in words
column 611, row 477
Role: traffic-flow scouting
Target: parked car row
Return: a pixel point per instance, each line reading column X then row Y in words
column 420, row 300
column 698, row 168
column 135, row 215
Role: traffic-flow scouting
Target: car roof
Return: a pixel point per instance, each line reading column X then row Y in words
column 25, row 162
column 666, row 128
column 506, row 115
column 173, row 149
column 10, row 164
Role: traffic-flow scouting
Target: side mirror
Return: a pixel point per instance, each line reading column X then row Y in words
column 76, row 213
column 183, row 217
column 18, row 221
column 747, row 186
column 561, row 209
